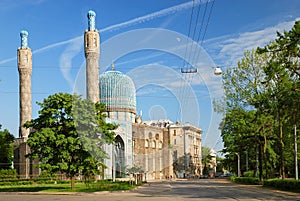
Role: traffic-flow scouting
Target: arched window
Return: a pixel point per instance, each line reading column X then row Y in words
column 153, row 144
column 146, row 143
column 95, row 41
column 157, row 136
column 160, row 144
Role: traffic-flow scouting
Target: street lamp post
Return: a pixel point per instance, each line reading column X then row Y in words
column 295, row 144
column 113, row 162
column 184, row 155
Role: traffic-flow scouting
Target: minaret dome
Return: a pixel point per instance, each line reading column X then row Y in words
column 24, row 39
column 91, row 24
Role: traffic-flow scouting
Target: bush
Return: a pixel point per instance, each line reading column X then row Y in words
column 283, row 184
column 8, row 174
column 249, row 173
column 47, row 176
column 15, row 183
column 245, row 180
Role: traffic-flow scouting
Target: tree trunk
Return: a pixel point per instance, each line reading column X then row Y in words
column 265, row 156
column 256, row 161
column 72, row 182
column 295, row 147
column 260, row 162
column 282, row 174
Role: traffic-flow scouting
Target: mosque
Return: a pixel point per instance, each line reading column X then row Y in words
column 158, row 149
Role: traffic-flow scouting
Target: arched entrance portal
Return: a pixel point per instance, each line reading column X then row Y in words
column 120, row 157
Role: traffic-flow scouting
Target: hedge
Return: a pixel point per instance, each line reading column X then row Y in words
column 283, row 184
column 8, row 174
column 245, row 180
column 15, row 183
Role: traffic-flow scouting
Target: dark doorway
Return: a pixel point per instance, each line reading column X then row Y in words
column 120, row 157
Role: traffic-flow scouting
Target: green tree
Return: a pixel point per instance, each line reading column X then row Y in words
column 282, row 78
column 206, row 159
column 262, row 103
column 6, row 149
column 68, row 135
column 246, row 120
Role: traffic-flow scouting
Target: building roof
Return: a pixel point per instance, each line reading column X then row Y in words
column 158, row 123
column 117, row 92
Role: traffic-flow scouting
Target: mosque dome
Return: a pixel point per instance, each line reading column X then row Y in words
column 117, row 92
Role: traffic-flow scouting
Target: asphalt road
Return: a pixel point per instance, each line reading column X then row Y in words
column 206, row 189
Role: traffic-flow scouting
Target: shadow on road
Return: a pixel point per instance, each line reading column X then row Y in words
column 219, row 189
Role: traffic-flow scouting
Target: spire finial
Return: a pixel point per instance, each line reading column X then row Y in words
column 113, row 66
column 24, row 39
column 91, row 16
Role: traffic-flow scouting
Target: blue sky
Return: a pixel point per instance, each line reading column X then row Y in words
column 142, row 30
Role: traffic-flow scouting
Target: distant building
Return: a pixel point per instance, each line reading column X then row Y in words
column 178, row 147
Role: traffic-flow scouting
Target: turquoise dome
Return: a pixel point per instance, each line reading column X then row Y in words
column 117, row 92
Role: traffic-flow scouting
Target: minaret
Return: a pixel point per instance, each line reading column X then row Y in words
column 25, row 69
column 92, row 52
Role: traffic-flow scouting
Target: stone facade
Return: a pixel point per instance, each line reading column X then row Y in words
column 186, row 143
column 120, row 153
column 167, row 150
column 151, row 152
column 24, row 166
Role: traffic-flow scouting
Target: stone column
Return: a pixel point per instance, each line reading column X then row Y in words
column 22, row 163
column 25, row 69
column 92, row 53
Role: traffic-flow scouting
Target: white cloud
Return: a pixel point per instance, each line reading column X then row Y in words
column 152, row 16
column 67, row 56
column 141, row 59
column 8, row 5
column 229, row 49
column 71, row 50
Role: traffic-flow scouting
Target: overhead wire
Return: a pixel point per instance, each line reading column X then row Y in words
column 209, row 15
column 185, row 63
column 191, row 68
column 195, row 28
column 202, row 40
column 187, row 39
column 196, row 52
column 192, row 50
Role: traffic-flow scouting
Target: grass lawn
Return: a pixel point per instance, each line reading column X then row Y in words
column 79, row 187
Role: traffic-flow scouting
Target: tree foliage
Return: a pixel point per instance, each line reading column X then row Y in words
column 262, row 105
column 282, row 80
column 6, row 149
column 68, row 135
